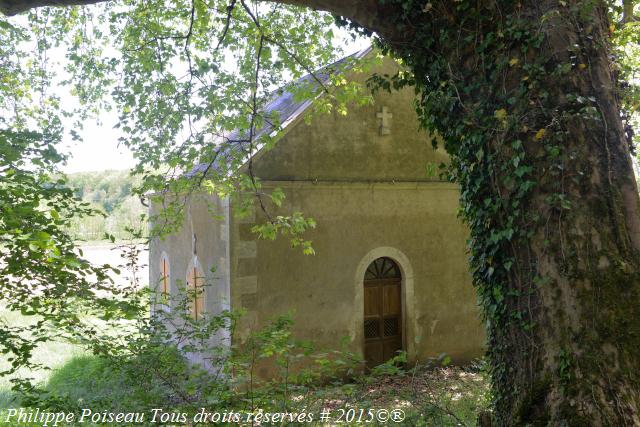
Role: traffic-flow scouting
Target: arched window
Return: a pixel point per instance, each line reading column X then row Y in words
column 195, row 289
column 165, row 278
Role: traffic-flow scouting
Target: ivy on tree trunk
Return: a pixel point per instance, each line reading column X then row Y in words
column 525, row 97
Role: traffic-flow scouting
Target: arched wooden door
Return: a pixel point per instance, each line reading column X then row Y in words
column 382, row 311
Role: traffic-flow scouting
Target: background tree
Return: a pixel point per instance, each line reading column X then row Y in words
column 42, row 273
column 109, row 192
column 526, row 98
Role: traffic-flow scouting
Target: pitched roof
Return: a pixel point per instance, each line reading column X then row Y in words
column 283, row 101
column 282, row 104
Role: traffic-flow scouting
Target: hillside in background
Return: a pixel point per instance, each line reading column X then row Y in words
column 110, row 192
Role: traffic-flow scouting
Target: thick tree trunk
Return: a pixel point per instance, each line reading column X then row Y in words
column 524, row 96
column 580, row 362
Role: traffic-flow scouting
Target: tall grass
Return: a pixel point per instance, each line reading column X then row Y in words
column 51, row 355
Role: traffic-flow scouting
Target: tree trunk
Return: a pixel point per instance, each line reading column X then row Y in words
column 525, row 98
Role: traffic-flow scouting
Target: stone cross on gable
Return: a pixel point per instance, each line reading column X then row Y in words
column 385, row 121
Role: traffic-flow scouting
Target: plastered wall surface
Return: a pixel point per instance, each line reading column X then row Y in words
column 415, row 224
column 203, row 240
column 350, row 148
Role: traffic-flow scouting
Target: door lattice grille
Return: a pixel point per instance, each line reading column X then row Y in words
column 371, row 328
column 391, row 327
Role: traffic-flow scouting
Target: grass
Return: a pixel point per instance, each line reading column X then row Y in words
column 434, row 397
column 428, row 395
column 93, row 382
column 52, row 355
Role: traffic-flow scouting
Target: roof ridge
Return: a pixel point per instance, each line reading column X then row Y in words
column 355, row 55
column 282, row 101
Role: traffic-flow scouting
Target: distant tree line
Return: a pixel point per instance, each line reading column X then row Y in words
column 110, row 192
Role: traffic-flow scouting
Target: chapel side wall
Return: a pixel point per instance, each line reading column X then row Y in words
column 418, row 220
column 207, row 218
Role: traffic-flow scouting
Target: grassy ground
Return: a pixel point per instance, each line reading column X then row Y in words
column 108, row 243
column 450, row 396
column 53, row 354
column 429, row 396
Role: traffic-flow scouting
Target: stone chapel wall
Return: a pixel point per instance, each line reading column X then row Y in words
column 369, row 191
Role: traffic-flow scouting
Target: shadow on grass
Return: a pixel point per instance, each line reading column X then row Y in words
column 89, row 380
column 8, row 399
column 98, row 383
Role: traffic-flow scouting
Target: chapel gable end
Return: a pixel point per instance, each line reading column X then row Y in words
column 377, row 142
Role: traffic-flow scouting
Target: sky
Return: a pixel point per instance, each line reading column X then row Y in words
column 98, row 148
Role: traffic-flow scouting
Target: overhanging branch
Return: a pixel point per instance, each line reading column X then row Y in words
column 368, row 13
column 13, row 7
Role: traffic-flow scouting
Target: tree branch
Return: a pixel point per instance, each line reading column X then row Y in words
column 13, row 7
column 627, row 12
column 368, row 13
column 227, row 23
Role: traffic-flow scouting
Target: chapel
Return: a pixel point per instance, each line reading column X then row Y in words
column 390, row 270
